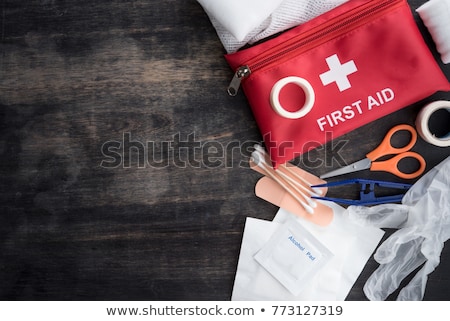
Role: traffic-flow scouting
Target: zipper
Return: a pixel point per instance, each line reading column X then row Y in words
column 241, row 72
column 301, row 43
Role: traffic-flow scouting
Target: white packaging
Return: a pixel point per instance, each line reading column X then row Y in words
column 352, row 245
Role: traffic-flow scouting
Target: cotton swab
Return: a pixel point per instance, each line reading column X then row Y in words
column 256, row 158
column 315, row 190
column 293, row 183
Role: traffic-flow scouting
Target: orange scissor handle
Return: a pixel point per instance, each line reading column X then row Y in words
column 385, row 148
column 391, row 165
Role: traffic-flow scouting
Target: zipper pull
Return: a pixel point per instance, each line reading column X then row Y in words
column 241, row 72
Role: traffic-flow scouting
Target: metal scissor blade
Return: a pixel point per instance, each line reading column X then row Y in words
column 357, row 166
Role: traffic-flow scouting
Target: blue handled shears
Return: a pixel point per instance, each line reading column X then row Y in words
column 367, row 192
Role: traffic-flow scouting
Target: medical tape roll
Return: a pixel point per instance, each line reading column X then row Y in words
column 423, row 123
column 309, row 96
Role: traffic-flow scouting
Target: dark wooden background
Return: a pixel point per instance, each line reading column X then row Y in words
column 77, row 78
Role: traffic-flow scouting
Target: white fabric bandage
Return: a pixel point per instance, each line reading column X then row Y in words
column 240, row 17
column 435, row 14
column 286, row 14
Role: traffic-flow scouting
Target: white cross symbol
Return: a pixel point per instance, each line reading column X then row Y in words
column 338, row 73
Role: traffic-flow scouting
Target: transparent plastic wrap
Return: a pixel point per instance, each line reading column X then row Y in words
column 423, row 222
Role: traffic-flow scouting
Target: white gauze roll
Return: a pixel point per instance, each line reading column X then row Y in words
column 435, row 14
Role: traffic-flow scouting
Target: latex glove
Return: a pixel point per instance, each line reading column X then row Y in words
column 423, row 220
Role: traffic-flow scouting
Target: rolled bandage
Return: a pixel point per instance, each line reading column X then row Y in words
column 441, row 110
column 309, row 97
column 435, row 14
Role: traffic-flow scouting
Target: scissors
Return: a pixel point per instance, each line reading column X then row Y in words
column 367, row 192
column 385, row 149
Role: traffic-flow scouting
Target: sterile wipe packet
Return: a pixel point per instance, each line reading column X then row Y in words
column 293, row 256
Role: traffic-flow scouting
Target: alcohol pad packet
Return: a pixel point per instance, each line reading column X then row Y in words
column 351, row 244
column 293, row 256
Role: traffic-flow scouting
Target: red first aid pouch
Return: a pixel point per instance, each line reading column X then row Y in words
column 354, row 64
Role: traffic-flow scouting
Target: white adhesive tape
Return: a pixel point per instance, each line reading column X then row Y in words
column 309, row 97
column 422, row 123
